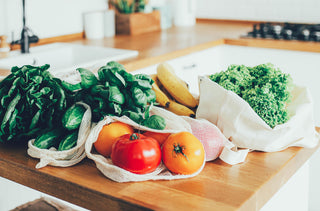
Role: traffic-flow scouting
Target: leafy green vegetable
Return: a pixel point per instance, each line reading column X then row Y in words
column 69, row 141
column 73, row 116
column 34, row 102
column 31, row 101
column 155, row 122
column 48, row 139
column 264, row 87
column 88, row 79
column 114, row 92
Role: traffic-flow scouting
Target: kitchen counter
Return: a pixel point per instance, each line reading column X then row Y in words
column 246, row 186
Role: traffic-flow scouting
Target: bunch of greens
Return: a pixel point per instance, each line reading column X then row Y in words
column 31, row 101
column 264, row 87
column 129, row 6
column 34, row 104
column 117, row 92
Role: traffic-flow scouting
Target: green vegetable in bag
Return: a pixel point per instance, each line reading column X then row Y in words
column 73, row 116
column 114, row 92
column 48, row 139
column 155, row 122
column 68, row 141
column 31, row 100
column 264, row 87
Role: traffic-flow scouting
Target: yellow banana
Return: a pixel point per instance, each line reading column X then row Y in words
column 172, row 83
column 180, row 109
column 161, row 97
column 184, row 83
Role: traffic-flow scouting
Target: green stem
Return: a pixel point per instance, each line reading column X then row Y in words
column 179, row 149
column 135, row 136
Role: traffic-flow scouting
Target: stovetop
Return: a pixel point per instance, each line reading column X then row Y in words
column 285, row 31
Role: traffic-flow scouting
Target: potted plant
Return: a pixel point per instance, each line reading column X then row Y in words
column 132, row 19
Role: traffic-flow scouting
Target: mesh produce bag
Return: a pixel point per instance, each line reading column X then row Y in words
column 175, row 124
column 67, row 157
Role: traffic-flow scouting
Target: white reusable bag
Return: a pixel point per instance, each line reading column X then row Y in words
column 67, row 157
column 245, row 129
column 175, row 124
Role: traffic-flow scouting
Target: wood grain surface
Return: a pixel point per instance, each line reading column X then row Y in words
column 246, row 186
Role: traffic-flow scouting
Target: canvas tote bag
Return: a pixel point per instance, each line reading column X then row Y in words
column 245, row 129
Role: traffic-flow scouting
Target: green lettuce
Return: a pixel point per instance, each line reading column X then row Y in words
column 266, row 89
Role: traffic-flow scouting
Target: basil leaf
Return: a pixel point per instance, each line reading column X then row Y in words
column 139, row 96
column 115, row 108
column 143, row 84
column 135, row 116
column 111, row 75
column 151, row 95
column 88, row 79
column 155, row 122
column 115, row 95
column 115, row 64
column 71, row 87
column 144, row 77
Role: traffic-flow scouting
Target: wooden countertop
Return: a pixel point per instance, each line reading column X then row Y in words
column 246, row 186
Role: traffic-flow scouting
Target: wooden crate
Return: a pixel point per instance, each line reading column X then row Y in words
column 137, row 23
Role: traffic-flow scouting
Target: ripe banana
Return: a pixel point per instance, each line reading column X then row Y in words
column 161, row 97
column 180, row 109
column 172, row 83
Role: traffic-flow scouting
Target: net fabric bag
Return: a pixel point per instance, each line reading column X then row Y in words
column 174, row 124
column 210, row 136
column 67, row 157
column 245, row 129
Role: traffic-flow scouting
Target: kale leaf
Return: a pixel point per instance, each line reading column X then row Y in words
column 264, row 87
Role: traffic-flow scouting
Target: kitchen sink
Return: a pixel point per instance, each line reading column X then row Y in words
column 66, row 57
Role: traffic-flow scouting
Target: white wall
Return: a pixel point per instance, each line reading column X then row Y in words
column 299, row 11
column 46, row 18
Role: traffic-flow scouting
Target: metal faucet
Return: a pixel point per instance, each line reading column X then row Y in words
column 27, row 36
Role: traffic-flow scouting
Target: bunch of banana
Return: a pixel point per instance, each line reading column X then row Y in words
column 172, row 92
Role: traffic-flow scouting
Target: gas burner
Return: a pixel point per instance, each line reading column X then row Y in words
column 286, row 31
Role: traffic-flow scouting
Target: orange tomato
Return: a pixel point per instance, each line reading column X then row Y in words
column 109, row 135
column 160, row 137
column 183, row 153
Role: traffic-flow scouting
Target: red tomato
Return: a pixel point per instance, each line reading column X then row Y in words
column 136, row 153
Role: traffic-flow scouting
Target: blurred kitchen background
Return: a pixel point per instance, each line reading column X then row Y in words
column 51, row 18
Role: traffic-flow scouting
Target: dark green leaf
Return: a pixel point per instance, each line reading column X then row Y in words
column 10, row 110
column 135, row 116
column 71, row 87
column 139, row 97
column 151, row 95
column 35, row 120
column 144, row 77
column 88, row 79
column 115, row 108
column 155, row 122
column 111, row 75
column 115, row 95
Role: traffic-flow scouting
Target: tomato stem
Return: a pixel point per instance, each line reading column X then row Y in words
column 179, row 149
column 135, row 136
